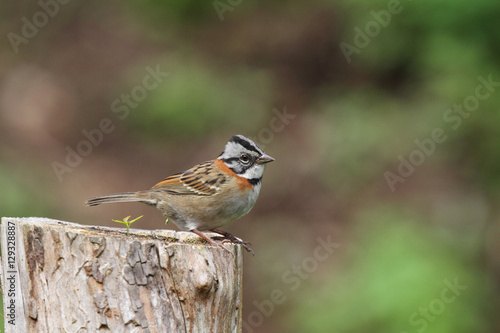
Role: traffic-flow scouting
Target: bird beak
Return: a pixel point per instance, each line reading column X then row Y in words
column 264, row 159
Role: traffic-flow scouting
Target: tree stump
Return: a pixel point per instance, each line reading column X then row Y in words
column 65, row 277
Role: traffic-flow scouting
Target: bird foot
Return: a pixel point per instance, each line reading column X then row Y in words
column 210, row 241
column 229, row 238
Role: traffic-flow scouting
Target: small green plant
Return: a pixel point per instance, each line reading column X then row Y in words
column 166, row 221
column 127, row 222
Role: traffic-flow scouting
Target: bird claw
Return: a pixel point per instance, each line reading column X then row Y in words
column 211, row 242
column 228, row 238
column 247, row 247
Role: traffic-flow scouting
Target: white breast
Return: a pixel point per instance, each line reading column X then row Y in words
column 242, row 205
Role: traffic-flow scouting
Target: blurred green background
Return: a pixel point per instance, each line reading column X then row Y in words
column 414, row 217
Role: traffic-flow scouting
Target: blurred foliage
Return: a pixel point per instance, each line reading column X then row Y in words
column 356, row 134
column 162, row 10
column 443, row 46
column 394, row 280
column 238, row 98
column 17, row 196
column 190, row 11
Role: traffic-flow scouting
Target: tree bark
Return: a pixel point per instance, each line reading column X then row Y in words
column 65, row 277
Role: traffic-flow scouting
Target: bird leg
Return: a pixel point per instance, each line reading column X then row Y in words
column 230, row 238
column 210, row 241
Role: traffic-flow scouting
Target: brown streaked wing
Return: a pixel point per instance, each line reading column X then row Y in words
column 202, row 179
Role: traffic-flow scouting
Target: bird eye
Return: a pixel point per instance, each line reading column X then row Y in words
column 245, row 158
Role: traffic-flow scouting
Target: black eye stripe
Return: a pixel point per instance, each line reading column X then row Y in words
column 235, row 159
column 229, row 160
column 240, row 169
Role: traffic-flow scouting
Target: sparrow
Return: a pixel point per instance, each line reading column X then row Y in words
column 210, row 194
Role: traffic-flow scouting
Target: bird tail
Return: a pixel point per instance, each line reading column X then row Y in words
column 117, row 197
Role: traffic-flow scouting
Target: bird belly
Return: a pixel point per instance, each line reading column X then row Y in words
column 204, row 213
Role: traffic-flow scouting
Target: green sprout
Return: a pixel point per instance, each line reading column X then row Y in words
column 127, row 222
column 166, row 221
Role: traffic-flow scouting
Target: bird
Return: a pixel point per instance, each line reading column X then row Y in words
column 208, row 195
